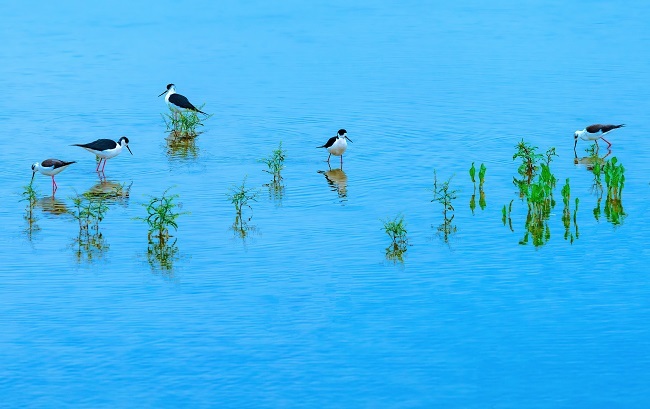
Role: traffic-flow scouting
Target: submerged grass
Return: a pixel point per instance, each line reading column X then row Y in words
column 162, row 215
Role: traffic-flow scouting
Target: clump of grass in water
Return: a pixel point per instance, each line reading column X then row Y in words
column 162, row 213
column 161, row 216
column 396, row 229
column 240, row 197
column 275, row 163
column 182, row 124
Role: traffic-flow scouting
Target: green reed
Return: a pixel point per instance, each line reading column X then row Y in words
column 396, row 229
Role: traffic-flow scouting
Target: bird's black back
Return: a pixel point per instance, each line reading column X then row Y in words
column 99, row 145
column 181, row 101
column 55, row 163
column 329, row 142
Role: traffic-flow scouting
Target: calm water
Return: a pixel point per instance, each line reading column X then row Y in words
column 307, row 310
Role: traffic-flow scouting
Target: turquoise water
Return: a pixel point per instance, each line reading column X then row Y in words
column 307, row 310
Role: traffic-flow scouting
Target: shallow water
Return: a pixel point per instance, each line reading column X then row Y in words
column 307, row 310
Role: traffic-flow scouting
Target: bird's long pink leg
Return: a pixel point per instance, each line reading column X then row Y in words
column 104, row 166
column 98, row 164
column 608, row 143
column 54, row 186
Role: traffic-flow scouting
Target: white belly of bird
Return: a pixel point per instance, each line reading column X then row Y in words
column 586, row 136
column 339, row 146
column 51, row 171
column 107, row 154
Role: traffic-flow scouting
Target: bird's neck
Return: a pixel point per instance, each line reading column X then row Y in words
column 169, row 93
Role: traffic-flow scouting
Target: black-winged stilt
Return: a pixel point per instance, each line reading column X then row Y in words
column 337, row 144
column 105, row 149
column 178, row 100
column 595, row 132
column 50, row 167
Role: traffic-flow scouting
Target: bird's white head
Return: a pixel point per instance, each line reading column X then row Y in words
column 343, row 134
column 35, row 167
column 124, row 142
column 170, row 90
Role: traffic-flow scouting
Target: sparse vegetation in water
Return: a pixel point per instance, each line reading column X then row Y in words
column 396, row 229
column 162, row 213
column 275, row 163
column 29, row 196
column 472, row 173
column 182, row 124
column 241, row 196
column 444, row 195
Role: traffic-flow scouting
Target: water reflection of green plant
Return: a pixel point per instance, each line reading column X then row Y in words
column 89, row 211
column 396, row 229
column 179, row 147
column 29, row 195
column 161, row 255
column 183, row 124
column 615, row 181
column 444, row 195
column 506, row 212
column 481, row 178
column 275, row 164
column 566, row 214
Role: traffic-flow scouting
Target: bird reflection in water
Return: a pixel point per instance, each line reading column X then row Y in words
column 338, row 181
column 111, row 191
column 52, row 206
column 592, row 159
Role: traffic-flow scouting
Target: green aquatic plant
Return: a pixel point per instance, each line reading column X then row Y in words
column 481, row 175
column 566, row 213
column 89, row 211
column 615, row 182
column 472, row 173
column 162, row 213
column 182, row 124
column 396, row 229
column 275, row 163
column 240, row 196
column 529, row 159
column 29, row 196
column 506, row 211
column 443, row 194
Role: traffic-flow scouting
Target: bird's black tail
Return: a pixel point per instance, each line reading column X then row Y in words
column 199, row 111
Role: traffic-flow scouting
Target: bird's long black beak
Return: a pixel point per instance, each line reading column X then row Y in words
column 127, row 147
column 163, row 93
column 32, row 181
column 575, row 143
column 348, row 139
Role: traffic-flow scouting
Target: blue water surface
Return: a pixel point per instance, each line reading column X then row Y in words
column 308, row 310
